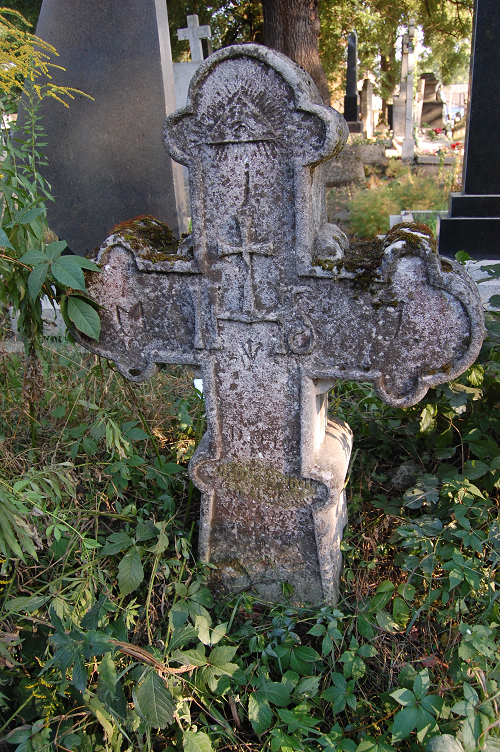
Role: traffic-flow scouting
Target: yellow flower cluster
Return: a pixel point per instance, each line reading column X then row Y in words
column 24, row 58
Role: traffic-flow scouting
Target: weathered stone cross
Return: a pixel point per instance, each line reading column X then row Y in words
column 195, row 33
column 269, row 301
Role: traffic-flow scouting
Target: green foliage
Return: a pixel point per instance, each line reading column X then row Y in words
column 110, row 639
column 370, row 208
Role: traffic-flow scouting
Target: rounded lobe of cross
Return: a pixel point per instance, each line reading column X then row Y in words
column 286, row 111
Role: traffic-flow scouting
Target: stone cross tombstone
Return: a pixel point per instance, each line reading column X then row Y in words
column 473, row 221
column 184, row 72
column 351, row 99
column 195, row 33
column 106, row 162
column 366, row 98
column 268, row 301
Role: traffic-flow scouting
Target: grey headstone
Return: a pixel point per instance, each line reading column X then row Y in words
column 106, row 160
column 366, row 100
column 270, row 303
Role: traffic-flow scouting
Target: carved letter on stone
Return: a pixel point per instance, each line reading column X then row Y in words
column 271, row 303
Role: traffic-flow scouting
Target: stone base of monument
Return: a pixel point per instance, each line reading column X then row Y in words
column 472, row 225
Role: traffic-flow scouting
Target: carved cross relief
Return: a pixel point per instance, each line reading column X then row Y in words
column 269, row 301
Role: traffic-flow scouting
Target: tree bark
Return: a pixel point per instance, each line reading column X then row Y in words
column 293, row 27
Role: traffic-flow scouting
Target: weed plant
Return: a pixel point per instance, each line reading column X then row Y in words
column 110, row 639
column 370, row 208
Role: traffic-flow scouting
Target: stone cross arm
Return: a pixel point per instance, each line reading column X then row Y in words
column 273, row 304
column 195, row 33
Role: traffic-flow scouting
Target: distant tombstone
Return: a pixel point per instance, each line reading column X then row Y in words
column 106, row 160
column 184, row 72
column 399, row 101
column 473, row 222
column 408, row 147
column 367, row 108
column 351, row 99
column 432, row 105
column 269, row 301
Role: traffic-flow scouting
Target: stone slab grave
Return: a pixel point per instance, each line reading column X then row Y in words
column 270, row 305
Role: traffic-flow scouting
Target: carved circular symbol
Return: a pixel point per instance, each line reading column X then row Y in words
column 301, row 340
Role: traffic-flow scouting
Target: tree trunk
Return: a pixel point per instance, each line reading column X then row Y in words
column 293, row 27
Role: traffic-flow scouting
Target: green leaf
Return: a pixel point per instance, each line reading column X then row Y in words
column 421, row 684
column 220, row 656
column 385, row 621
column 4, row 240
column 79, row 675
column 26, row 217
column 86, row 263
column 107, row 672
column 153, row 701
column 444, row 743
column 84, row 317
column 91, row 619
column 190, row 657
column 130, row 571
column 307, row 687
column 260, row 714
column 68, row 272
column 55, row 249
column 474, row 469
column 34, row 257
column 29, row 603
column 196, row 741
column 276, row 693
column 36, row 279
column 115, row 543
column 404, row 697
column 404, row 723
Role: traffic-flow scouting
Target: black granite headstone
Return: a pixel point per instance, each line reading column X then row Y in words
column 106, row 159
column 473, row 221
column 351, row 99
column 432, row 106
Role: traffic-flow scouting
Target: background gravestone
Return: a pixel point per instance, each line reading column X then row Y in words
column 351, row 99
column 366, row 98
column 473, row 222
column 184, row 72
column 106, row 160
column 432, row 113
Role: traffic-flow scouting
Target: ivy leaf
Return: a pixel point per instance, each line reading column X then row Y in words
column 84, row 317
column 196, row 741
column 36, row 279
column 153, row 701
column 130, row 572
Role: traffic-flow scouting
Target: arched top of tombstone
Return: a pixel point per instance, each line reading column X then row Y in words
column 257, row 96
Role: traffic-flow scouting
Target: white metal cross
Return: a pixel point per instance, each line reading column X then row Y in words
column 195, row 33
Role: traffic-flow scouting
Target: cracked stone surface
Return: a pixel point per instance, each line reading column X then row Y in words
column 271, row 304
